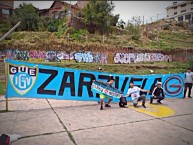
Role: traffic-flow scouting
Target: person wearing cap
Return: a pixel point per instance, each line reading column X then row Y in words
column 188, row 82
column 134, row 92
column 103, row 96
column 158, row 93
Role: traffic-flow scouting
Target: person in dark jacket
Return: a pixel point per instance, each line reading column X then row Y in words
column 158, row 93
column 188, row 82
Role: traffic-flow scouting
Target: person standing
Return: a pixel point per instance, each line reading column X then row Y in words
column 100, row 70
column 188, row 82
column 134, row 92
column 103, row 96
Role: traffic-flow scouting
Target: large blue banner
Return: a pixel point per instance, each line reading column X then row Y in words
column 30, row 80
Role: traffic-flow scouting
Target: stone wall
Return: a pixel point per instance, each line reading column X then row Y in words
column 88, row 56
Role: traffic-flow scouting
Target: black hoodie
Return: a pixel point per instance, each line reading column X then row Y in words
column 158, row 92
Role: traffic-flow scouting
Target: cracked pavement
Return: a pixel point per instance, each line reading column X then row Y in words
column 62, row 122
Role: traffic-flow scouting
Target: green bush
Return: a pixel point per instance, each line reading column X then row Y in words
column 191, row 63
column 4, row 27
column 134, row 31
column 17, row 35
column 78, row 34
column 52, row 28
column 56, row 25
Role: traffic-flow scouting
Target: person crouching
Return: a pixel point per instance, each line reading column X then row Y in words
column 134, row 92
column 158, row 93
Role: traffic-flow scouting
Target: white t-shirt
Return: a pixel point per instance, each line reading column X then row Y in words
column 134, row 92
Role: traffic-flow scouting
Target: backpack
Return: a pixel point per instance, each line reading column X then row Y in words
column 4, row 139
column 122, row 102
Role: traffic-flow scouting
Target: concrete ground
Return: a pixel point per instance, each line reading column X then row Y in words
column 60, row 122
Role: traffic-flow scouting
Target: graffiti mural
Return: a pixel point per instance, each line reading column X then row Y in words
column 51, row 56
column 65, row 56
column 100, row 58
column 91, row 57
column 139, row 57
column 142, row 57
column 54, row 56
column 103, row 58
column 10, row 54
column 159, row 57
column 35, row 54
column 22, row 55
column 86, row 57
column 83, row 57
column 124, row 57
column 2, row 55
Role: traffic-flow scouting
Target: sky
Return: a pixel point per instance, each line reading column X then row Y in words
column 151, row 10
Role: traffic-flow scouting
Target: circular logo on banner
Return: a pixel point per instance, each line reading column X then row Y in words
column 22, row 78
column 22, row 81
column 173, row 86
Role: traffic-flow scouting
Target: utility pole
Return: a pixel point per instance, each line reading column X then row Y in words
column 143, row 20
column 68, row 42
column 11, row 30
column 157, row 17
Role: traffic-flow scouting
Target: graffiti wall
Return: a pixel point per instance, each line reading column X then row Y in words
column 51, row 56
column 91, row 57
column 54, row 56
column 139, row 57
column 2, row 55
column 22, row 55
column 10, row 54
column 35, row 54
column 65, row 56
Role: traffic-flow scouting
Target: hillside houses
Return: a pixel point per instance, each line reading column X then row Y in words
column 60, row 9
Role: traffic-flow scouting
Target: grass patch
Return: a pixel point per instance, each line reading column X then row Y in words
column 165, row 40
column 2, row 87
column 3, row 111
column 2, row 68
column 176, row 40
column 138, row 68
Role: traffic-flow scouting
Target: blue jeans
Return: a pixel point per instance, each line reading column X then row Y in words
column 156, row 97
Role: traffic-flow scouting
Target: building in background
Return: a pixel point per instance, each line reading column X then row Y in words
column 81, row 4
column 6, row 9
column 181, row 11
column 60, row 9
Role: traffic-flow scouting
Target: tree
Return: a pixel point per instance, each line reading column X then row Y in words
column 133, row 30
column 121, row 24
column 114, row 20
column 100, row 13
column 27, row 14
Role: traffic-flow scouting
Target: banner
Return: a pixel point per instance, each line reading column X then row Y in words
column 100, row 87
column 28, row 80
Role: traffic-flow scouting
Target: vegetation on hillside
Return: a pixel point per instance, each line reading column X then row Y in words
column 28, row 16
column 2, row 87
column 54, row 34
column 166, row 40
column 100, row 13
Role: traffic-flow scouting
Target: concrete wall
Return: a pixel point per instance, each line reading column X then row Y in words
column 105, row 57
column 182, row 56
